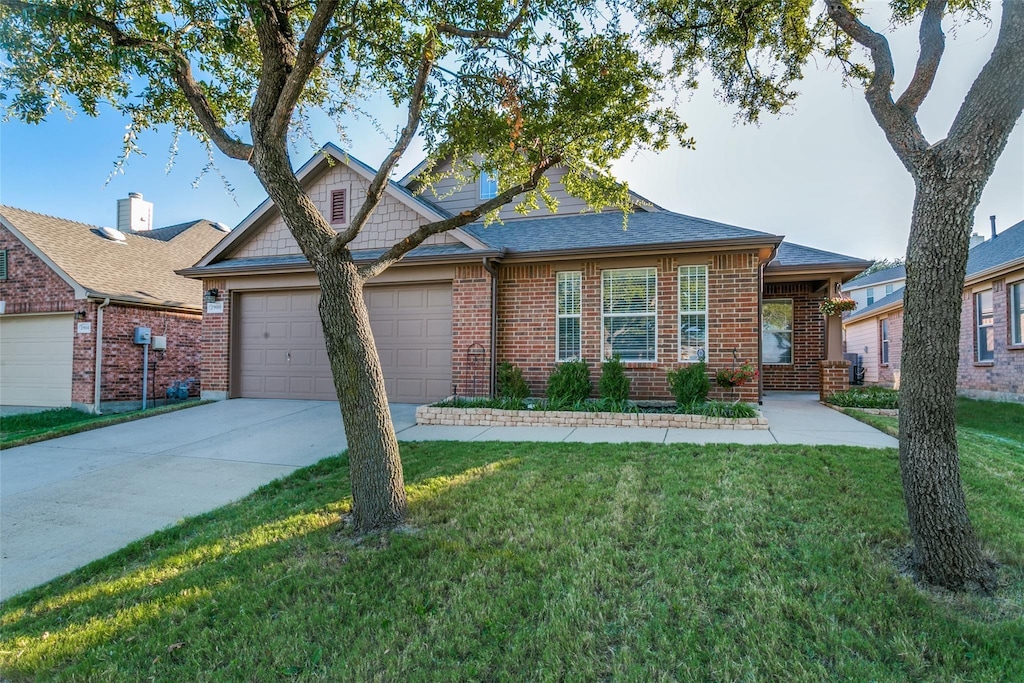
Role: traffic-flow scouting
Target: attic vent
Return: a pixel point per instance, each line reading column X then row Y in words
column 339, row 206
column 3, row 264
column 112, row 234
column 222, row 227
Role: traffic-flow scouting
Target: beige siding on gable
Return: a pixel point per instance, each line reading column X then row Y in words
column 448, row 195
column 862, row 339
column 392, row 220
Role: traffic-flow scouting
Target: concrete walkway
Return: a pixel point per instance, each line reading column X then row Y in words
column 69, row 501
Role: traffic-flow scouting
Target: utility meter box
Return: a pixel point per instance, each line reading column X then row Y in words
column 159, row 343
column 142, row 335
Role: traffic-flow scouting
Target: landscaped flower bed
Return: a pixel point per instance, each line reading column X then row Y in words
column 500, row 417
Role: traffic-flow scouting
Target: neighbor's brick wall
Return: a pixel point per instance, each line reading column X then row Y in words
column 471, row 331
column 31, row 286
column 122, row 358
column 1005, row 374
column 216, row 342
column 526, row 320
column 808, row 340
column 887, row 373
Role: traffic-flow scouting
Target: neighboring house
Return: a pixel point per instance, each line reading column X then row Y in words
column 867, row 289
column 72, row 295
column 667, row 291
column 991, row 324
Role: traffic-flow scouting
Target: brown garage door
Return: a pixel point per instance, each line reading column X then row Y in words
column 281, row 351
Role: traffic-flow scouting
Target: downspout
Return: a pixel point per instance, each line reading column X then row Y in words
column 760, row 322
column 99, row 355
column 489, row 267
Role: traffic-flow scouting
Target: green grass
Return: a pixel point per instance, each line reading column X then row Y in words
column 18, row 430
column 547, row 562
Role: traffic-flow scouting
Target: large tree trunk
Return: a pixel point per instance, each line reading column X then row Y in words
column 946, row 551
column 375, row 468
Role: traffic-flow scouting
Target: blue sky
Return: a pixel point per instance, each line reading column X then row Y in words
column 823, row 174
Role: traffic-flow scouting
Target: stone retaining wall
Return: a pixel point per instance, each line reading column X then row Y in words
column 495, row 417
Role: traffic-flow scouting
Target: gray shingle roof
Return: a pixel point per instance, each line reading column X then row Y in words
column 140, row 269
column 886, row 275
column 1004, row 247
column 603, row 230
column 877, row 305
column 428, row 251
column 795, row 255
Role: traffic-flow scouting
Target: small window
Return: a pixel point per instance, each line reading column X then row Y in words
column 986, row 350
column 629, row 325
column 1017, row 313
column 889, row 289
column 339, row 207
column 488, row 184
column 884, row 345
column 777, row 332
column 567, row 342
column 3, row 264
column 871, row 295
column 693, row 313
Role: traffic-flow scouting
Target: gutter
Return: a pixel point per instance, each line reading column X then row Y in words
column 760, row 323
column 99, row 356
column 489, row 267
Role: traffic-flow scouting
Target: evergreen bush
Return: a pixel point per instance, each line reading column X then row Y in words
column 689, row 384
column 511, row 383
column 569, row 383
column 614, row 384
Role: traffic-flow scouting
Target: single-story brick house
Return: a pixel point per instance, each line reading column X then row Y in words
column 991, row 324
column 72, row 295
column 533, row 290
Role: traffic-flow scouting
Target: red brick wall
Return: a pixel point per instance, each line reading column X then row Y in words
column 471, row 331
column 216, row 343
column 526, row 320
column 31, row 286
column 808, row 340
column 835, row 377
column 122, row 358
column 887, row 372
column 1005, row 374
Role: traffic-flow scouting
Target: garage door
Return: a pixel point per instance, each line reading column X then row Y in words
column 281, row 351
column 35, row 360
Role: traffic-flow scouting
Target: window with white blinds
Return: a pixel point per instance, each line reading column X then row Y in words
column 693, row 313
column 629, row 322
column 567, row 342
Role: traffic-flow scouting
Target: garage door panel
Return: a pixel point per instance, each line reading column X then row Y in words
column 282, row 342
column 36, row 360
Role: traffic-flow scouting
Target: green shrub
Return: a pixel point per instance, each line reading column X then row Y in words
column 689, row 384
column 569, row 383
column 614, row 384
column 511, row 383
column 868, row 397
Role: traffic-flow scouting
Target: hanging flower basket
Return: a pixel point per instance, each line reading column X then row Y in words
column 837, row 305
column 728, row 378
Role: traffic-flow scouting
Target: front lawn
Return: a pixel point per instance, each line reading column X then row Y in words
column 17, row 430
column 547, row 562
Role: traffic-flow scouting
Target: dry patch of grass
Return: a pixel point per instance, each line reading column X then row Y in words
column 545, row 562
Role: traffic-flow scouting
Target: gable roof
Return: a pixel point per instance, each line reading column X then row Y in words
column 985, row 259
column 590, row 232
column 879, row 276
column 791, row 255
column 138, row 270
column 328, row 154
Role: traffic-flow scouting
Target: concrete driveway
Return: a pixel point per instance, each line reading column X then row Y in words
column 69, row 501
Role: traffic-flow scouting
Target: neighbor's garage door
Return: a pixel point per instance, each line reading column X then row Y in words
column 281, row 351
column 35, row 360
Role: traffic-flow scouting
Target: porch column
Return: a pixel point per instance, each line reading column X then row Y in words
column 833, row 328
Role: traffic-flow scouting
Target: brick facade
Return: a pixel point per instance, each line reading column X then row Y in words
column 808, row 340
column 471, row 331
column 888, row 372
column 215, row 345
column 835, row 377
column 33, row 287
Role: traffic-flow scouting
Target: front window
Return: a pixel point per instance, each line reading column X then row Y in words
column 488, row 184
column 888, row 289
column 629, row 325
column 986, row 350
column 567, row 342
column 871, row 295
column 693, row 313
column 777, row 332
column 1017, row 313
column 884, row 346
